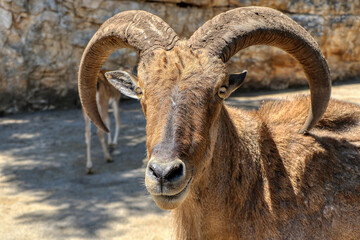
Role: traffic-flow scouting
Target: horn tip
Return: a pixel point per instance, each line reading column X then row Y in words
column 105, row 130
column 100, row 124
column 304, row 132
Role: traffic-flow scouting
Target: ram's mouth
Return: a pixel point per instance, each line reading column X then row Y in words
column 165, row 201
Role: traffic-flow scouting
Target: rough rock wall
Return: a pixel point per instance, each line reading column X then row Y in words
column 41, row 42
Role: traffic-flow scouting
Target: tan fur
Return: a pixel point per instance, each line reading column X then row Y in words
column 254, row 175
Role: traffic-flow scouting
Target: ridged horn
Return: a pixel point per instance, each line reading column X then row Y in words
column 227, row 33
column 138, row 30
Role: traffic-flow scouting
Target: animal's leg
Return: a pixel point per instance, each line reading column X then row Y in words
column 88, row 143
column 108, row 124
column 103, row 107
column 115, row 105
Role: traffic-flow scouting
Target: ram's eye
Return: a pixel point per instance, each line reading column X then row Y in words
column 222, row 92
column 138, row 92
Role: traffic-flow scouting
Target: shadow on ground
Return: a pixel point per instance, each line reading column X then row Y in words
column 44, row 153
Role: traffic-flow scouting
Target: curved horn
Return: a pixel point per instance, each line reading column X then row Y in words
column 138, row 30
column 226, row 34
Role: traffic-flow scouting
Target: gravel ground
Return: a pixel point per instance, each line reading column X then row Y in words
column 45, row 193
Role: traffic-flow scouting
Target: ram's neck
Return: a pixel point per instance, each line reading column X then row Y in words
column 231, row 178
column 237, row 159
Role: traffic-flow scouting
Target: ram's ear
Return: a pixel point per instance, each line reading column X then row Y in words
column 236, row 80
column 124, row 82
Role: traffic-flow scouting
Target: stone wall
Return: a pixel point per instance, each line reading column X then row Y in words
column 41, row 43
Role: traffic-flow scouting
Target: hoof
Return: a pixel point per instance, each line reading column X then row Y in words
column 89, row 171
column 109, row 160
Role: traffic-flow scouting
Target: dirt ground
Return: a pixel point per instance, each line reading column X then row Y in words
column 45, row 193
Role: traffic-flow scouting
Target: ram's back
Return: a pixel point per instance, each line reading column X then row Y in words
column 322, row 168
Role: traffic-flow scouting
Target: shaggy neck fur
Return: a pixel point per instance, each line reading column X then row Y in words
column 195, row 217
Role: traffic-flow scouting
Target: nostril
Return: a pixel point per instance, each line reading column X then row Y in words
column 175, row 173
column 166, row 172
column 153, row 171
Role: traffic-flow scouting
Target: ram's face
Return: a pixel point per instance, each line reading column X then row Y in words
column 181, row 93
column 180, row 105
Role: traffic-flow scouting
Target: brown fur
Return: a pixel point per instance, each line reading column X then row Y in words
column 254, row 175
